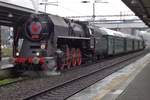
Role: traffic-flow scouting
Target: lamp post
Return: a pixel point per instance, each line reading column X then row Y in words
column 94, row 13
column 93, row 4
column 48, row 3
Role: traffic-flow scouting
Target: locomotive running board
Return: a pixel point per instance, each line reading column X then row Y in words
column 73, row 37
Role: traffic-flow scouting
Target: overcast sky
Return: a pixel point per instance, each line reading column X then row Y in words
column 76, row 8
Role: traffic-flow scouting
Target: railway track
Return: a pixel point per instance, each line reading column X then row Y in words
column 69, row 83
column 68, row 88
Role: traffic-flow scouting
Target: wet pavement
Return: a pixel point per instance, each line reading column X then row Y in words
column 112, row 86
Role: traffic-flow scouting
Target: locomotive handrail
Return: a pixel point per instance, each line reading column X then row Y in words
column 73, row 37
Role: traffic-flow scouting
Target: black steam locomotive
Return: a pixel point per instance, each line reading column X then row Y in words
column 49, row 41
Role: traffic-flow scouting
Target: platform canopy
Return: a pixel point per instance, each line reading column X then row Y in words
column 10, row 13
column 141, row 8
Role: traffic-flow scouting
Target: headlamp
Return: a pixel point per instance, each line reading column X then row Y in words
column 37, row 54
column 17, row 53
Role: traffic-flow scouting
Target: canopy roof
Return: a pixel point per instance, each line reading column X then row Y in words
column 141, row 8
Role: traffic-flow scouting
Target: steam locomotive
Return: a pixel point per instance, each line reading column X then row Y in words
column 44, row 41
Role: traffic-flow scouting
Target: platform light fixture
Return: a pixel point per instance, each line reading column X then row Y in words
column 10, row 15
column 133, row 1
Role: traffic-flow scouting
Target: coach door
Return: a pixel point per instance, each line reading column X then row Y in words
column 110, row 45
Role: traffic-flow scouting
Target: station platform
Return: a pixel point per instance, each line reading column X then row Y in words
column 4, row 64
column 130, row 83
column 139, row 88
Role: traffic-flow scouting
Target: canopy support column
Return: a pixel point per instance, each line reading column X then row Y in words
column 0, row 46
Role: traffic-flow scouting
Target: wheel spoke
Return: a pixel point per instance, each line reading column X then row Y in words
column 68, row 61
column 73, row 57
column 79, row 58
